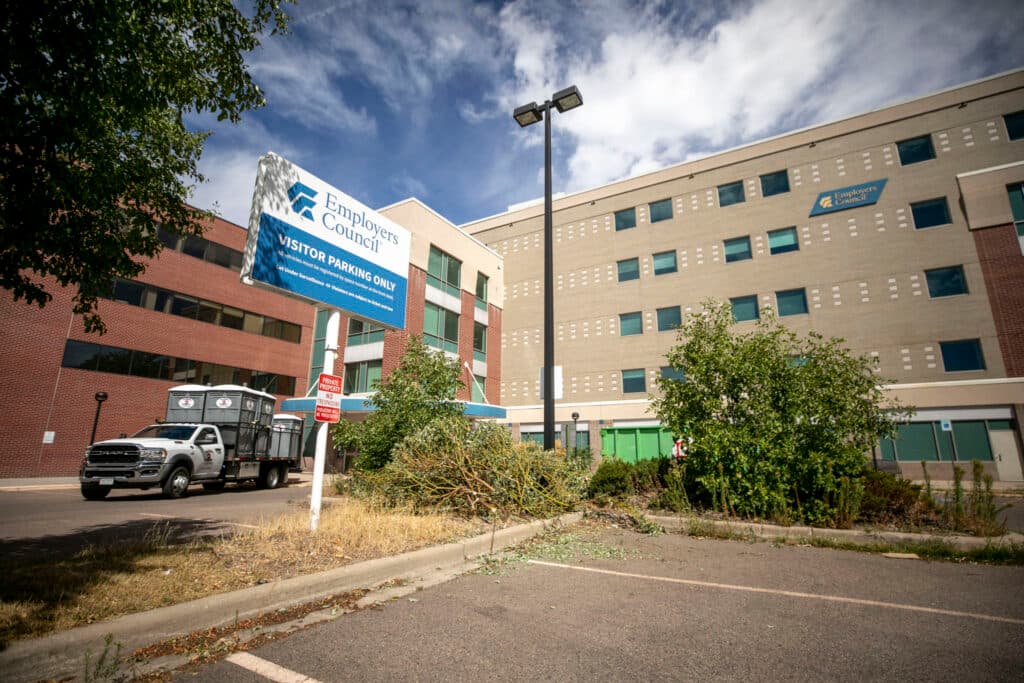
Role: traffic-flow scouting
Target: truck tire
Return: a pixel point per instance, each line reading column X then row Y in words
column 270, row 477
column 214, row 485
column 176, row 483
column 95, row 492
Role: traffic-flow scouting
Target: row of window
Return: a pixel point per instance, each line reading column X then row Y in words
column 957, row 356
column 101, row 358
column 202, row 248
column 1016, row 193
column 952, row 441
column 363, row 377
column 441, row 331
column 926, row 214
column 910, row 151
column 444, row 272
column 165, row 301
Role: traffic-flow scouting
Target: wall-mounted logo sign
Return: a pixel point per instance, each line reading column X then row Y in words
column 311, row 240
column 223, row 402
column 186, row 402
column 850, row 197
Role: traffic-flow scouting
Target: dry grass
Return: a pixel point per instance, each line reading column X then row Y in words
column 46, row 595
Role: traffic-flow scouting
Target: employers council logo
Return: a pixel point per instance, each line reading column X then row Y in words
column 301, row 197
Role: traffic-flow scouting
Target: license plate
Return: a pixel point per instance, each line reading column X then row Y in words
column 108, row 481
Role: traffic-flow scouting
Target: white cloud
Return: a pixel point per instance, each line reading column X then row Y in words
column 670, row 84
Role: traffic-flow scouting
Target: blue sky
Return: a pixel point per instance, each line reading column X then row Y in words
column 387, row 100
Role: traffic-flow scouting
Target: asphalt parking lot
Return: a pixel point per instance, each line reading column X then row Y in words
column 674, row 608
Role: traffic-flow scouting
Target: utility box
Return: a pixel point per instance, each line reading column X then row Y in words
column 286, row 437
column 186, row 403
column 237, row 405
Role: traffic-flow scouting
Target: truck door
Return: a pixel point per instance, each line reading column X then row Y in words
column 212, row 452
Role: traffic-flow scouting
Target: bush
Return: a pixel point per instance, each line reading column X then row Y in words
column 888, row 499
column 613, row 478
column 473, row 470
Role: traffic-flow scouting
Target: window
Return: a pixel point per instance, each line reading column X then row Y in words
column 128, row 292
column 967, row 440
column 744, row 308
column 630, row 324
column 633, row 381
column 629, row 269
column 164, row 301
column 1017, row 206
column 440, row 328
column 360, row 378
column 661, row 211
column 915, row 150
column 1015, row 125
column 444, row 272
column 361, row 332
column 782, row 241
column 101, row 358
column 478, row 392
column 481, row 291
column 791, row 301
column 664, row 262
column 668, row 318
column 946, row 281
column 668, row 372
column 731, row 193
column 737, row 249
column 479, row 342
column 201, row 248
column 930, row 213
column 774, row 183
column 625, row 219
column 965, row 354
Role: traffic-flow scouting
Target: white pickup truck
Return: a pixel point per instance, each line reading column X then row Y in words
column 173, row 455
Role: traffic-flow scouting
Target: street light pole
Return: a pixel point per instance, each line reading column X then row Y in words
column 528, row 114
column 100, row 397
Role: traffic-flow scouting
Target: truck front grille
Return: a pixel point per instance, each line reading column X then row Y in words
column 113, row 455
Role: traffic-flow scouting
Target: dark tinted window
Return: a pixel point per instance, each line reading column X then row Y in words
column 916, row 150
column 1015, row 125
column 961, row 355
column 774, row 183
column 625, row 219
column 946, row 281
column 661, row 211
column 930, row 213
column 731, row 193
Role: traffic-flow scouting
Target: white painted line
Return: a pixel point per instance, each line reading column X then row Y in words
column 247, row 526
column 791, row 594
column 196, row 519
column 154, row 514
column 268, row 669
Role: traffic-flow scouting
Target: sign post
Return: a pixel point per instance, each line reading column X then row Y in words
column 311, row 241
column 328, row 405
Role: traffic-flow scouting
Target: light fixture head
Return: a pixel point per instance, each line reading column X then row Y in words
column 527, row 114
column 567, row 99
column 575, row 416
column 100, row 396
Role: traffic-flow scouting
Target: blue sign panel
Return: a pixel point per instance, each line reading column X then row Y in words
column 850, row 197
column 300, row 263
column 312, row 241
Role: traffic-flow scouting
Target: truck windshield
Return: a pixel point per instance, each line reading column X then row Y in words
column 183, row 432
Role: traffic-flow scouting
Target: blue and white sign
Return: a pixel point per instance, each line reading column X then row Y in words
column 850, row 197
column 313, row 241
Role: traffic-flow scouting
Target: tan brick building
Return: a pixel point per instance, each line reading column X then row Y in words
column 900, row 230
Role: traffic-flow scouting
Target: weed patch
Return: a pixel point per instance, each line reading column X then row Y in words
column 102, row 582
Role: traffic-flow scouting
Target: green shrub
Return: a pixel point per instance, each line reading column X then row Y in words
column 647, row 475
column 613, row 478
column 887, row 499
column 674, row 497
column 474, row 470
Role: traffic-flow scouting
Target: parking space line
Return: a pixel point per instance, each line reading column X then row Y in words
column 155, row 514
column 791, row 594
column 267, row 669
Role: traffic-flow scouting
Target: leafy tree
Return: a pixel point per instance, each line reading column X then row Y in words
column 95, row 151
column 780, row 423
column 420, row 390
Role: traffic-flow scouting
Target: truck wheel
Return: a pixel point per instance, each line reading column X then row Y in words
column 214, row 485
column 176, row 484
column 95, row 492
column 270, row 477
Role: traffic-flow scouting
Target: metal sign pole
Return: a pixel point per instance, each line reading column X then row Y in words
column 320, row 454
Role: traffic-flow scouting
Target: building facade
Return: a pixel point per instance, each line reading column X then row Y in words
column 900, row 230
column 189, row 320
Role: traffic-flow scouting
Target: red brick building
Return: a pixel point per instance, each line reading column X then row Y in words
column 188, row 319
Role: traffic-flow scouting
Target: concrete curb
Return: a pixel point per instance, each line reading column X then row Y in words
column 62, row 654
column 857, row 536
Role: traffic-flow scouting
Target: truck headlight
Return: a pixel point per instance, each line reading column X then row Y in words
column 153, row 454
